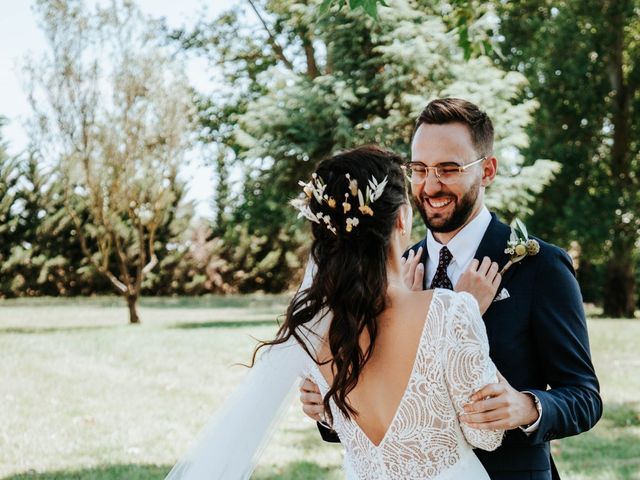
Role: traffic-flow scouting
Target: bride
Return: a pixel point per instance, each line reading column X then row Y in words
column 394, row 366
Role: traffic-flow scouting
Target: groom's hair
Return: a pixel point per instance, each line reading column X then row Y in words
column 456, row 110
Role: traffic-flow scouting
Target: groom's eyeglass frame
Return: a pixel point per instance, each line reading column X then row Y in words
column 447, row 174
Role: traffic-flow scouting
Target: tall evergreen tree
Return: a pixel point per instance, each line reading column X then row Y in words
column 9, row 218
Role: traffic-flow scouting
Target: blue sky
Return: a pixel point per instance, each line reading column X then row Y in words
column 19, row 35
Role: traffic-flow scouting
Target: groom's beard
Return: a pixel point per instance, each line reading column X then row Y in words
column 457, row 218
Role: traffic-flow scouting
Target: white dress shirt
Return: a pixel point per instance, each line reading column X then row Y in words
column 462, row 247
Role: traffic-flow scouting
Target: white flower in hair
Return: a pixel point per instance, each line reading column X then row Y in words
column 352, row 222
column 307, row 188
column 353, row 185
column 375, row 189
column 302, row 206
column 316, row 187
column 346, row 206
column 364, row 208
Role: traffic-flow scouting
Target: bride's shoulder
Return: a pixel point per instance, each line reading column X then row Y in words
column 457, row 305
column 452, row 298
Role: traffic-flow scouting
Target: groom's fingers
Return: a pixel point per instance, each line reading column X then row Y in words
column 313, row 411
column 485, row 405
column 491, row 390
column 485, row 417
column 311, row 398
column 309, row 386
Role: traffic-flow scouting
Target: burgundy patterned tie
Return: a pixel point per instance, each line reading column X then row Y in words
column 441, row 280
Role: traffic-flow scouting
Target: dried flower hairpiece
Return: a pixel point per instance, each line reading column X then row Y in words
column 315, row 189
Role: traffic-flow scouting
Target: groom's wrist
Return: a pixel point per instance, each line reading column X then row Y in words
column 536, row 413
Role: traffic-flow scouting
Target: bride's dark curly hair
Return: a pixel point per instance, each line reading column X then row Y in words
column 351, row 276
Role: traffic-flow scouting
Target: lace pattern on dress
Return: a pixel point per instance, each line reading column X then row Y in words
column 425, row 437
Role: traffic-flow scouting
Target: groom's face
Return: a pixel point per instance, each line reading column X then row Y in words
column 446, row 208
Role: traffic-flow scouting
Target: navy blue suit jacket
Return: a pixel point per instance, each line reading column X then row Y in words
column 538, row 340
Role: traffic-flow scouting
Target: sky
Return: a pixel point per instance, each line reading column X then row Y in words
column 19, row 36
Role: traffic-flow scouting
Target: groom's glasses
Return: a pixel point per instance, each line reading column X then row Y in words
column 446, row 173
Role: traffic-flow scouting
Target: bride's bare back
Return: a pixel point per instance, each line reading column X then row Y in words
column 431, row 354
column 384, row 378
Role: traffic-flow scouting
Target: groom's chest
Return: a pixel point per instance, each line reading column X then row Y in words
column 509, row 321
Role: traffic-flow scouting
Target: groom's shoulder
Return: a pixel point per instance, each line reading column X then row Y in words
column 552, row 254
column 549, row 252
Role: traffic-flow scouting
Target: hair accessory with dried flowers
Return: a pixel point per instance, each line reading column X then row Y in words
column 315, row 189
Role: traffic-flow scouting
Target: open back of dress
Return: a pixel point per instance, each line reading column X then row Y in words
column 425, row 440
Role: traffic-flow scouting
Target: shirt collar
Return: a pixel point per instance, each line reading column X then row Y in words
column 464, row 244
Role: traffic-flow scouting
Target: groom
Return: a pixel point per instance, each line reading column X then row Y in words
column 536, row 324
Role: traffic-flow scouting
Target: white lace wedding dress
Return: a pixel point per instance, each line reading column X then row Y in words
column 425, row 440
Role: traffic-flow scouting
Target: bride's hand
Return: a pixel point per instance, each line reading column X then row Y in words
column 482, row 281
column 413, row 270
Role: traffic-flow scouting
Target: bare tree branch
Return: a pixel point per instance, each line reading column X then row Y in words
column 272, row 39
column 310, row 54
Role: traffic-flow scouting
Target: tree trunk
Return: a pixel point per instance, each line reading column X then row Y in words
column 619, row 296
column 132, row 301
column 310, row 54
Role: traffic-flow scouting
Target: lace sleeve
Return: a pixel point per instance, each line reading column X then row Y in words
column 468, row 366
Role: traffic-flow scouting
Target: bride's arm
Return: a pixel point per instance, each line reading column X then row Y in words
column 468, row 366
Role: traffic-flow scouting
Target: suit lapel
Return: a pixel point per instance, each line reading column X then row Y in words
column 494, row 243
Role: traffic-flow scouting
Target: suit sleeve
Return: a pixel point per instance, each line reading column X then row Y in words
column 327, row 434
column 571, row 404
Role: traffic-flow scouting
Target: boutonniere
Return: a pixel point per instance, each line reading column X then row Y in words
column 519, row 245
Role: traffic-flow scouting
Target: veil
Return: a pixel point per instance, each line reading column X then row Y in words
column 232, row 441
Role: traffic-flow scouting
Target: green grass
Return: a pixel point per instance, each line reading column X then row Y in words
column 83, row 395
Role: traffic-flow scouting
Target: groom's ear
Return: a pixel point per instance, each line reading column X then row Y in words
column 489, row 170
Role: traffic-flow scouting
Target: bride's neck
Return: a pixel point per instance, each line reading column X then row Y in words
column 394, row 267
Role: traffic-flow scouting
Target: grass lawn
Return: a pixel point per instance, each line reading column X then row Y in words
column 83, row 395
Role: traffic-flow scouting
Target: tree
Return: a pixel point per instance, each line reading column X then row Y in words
column 113, row 111
column 9, row 220
column 588, row 118
column 47, row 260
column 300, row 87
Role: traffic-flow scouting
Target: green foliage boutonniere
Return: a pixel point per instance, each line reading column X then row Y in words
column 519, row 245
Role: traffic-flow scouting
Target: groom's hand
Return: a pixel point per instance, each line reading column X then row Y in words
column 499, row 406
column 413, row 270
column 311, row 399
